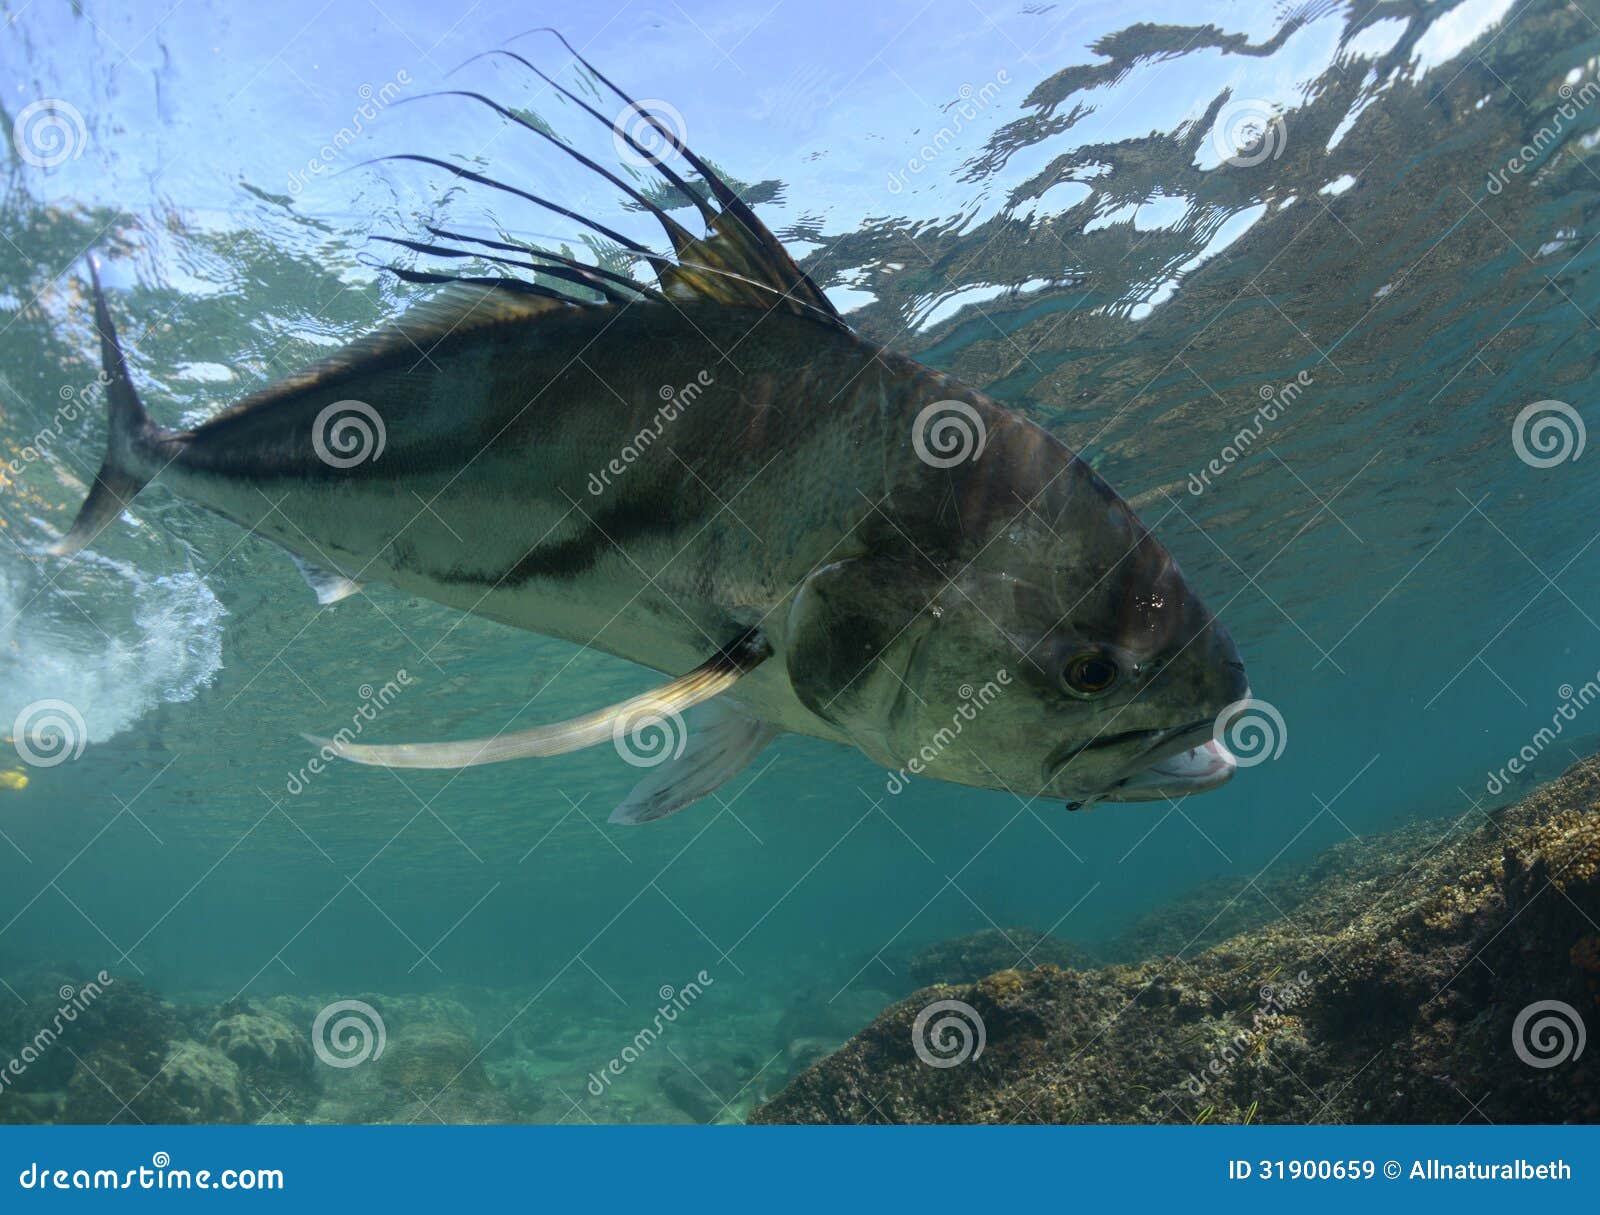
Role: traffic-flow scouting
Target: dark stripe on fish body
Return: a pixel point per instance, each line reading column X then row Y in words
column 656, row 510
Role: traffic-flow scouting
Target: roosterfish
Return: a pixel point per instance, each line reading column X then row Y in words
column 709, row 473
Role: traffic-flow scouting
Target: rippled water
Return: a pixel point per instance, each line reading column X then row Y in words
column 1140, row 224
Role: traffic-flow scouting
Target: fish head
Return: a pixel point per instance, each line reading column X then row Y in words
column 1064, row 657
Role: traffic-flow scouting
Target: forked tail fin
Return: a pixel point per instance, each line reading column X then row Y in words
column 125, row 470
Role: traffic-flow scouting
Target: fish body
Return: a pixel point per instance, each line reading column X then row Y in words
column 726, row 469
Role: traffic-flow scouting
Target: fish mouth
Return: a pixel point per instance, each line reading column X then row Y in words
column 1184, row 760
column 1156, row 740
column 1193, row 770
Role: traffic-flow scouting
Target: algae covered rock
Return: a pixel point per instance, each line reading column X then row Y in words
column 1438, row 973
column 263, row 1045
column 427, row 1072
column 202, row 1085
column 431, row 1058
column 968, row 959
column 192, row 1083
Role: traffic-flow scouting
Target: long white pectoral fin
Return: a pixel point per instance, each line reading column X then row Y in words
column 720, row 741
column 716, row 675
column 328, row 586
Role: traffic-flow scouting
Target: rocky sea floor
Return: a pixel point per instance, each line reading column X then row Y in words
column 1445, row 972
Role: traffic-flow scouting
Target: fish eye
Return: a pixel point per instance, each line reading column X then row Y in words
column 1089, row 673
